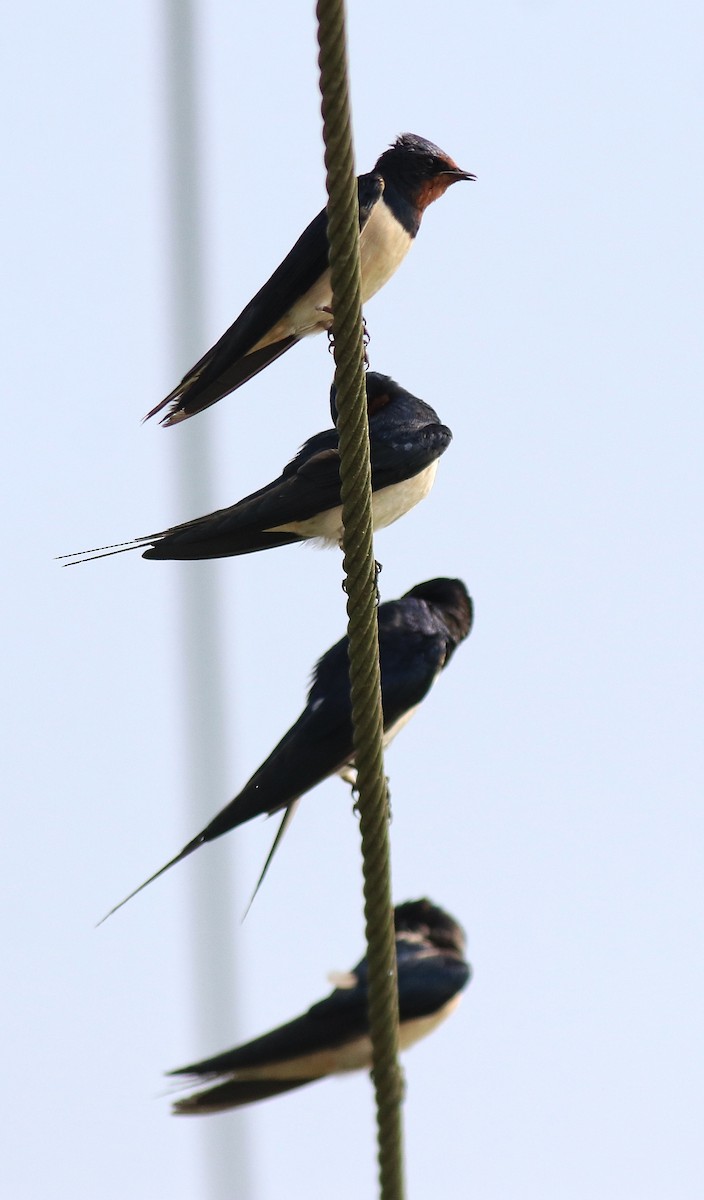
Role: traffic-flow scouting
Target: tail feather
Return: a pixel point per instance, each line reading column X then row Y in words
column 285, row 822
column 181, row 544
column 81, row 556
column 233, row 814
column 232, row 1094
column 193, row 845
column 227, row 545
column 198, row 391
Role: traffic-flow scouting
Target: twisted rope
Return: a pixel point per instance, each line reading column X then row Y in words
column 360, row 571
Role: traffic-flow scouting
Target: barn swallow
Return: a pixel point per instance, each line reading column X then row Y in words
column 418, row 635
column 406, row 440
column 332, row 1037
column 296, row 300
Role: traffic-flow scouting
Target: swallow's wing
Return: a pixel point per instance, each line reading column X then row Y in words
column 339, row 1018
column 238, row 355
column 308, row 485
column 412, row 652
column 321, row 1042
column 317, row 746
column 232, row 360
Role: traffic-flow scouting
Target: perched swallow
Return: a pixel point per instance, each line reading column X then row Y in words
column 418, row 635
column 296, row 300
column 332, row 1037
column 406, row 440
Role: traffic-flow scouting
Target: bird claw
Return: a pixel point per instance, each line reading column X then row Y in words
column 349, row 775
column 378, row 568
column 355, row 796
column 366, row 336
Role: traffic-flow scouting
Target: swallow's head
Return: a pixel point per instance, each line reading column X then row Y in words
column 419, row 169
column 453, row 602
column 422, row 918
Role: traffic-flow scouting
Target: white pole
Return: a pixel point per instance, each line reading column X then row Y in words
column 213, row 928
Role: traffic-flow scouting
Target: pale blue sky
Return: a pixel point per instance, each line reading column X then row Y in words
column 549, row 794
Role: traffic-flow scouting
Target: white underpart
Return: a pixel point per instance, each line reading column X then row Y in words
column 390, row 733
column 388, row 504
column 383, row 244
column 343, row 979
column 348, row 773
column 352, row 1057
column 412, row 1031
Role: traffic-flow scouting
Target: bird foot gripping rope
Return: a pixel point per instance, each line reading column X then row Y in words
column 366, row 339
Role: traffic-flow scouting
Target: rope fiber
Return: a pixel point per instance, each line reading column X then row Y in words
column 360, row 584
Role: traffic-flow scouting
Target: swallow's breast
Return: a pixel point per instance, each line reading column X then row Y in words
column 412, row 1031
column 390, row 503
column 383, row 245
column 392, row 730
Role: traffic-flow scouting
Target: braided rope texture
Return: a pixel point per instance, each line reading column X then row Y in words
column 360, row 569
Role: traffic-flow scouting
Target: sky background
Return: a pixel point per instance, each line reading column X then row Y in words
column 549, row 792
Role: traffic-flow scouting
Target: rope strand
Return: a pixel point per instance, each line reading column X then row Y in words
column 360, row 570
